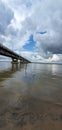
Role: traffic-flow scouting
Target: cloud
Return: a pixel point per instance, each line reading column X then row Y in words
column 6, row 16
column 19, row 19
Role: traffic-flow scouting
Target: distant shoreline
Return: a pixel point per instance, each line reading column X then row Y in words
column 45, row 63
column 34, row 62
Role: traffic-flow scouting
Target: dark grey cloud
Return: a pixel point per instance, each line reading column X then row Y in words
column 54, row 49
column 6, row 15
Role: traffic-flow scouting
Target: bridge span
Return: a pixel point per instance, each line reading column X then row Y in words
column 9, row 53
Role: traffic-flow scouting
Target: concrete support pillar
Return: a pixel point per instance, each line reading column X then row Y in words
column 22, row 61
column 14, row 61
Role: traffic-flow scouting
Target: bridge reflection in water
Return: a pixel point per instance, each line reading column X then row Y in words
column 7, row 73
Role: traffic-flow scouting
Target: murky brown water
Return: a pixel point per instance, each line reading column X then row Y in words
column 30, row 96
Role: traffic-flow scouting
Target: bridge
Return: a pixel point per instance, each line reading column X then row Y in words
column 14, row 56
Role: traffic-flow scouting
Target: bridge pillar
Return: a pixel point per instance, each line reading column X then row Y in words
column 14, row 61
column 22, row 61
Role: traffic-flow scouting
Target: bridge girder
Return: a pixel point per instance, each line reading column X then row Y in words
column 9, row 53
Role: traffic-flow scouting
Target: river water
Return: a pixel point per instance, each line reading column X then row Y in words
column 25, row 88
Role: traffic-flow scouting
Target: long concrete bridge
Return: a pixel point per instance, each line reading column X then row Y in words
column 9, row 53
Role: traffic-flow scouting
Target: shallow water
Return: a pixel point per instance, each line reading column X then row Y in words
column 25, row 86
column 42, row 81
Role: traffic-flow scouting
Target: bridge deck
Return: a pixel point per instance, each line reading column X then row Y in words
column 9, row 53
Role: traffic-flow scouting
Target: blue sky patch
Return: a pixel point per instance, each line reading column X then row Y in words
column 42, row 32
column 30, row 44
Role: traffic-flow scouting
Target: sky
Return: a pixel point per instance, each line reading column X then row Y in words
column 32, row 28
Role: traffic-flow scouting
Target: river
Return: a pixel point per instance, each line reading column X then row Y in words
column 30, row 96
